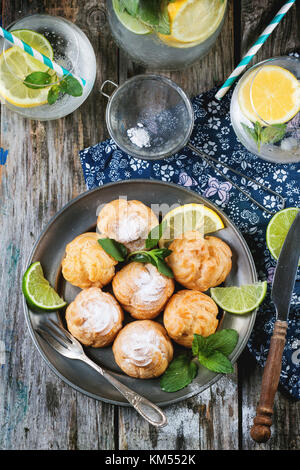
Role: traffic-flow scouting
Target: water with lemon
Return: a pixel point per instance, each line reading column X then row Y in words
column 61, row 41
column 194, row 28
column 265, row 109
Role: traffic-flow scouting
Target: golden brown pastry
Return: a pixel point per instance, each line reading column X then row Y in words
column 86, row 264
column 143, row 349
column 94, row 317
column 199, row 263
column 142, row 290
column 128, row 222
column 189, row 312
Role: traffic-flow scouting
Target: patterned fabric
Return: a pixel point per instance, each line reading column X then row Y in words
column 104, row 163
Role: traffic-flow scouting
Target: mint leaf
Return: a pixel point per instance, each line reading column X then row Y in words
column 148, row 12
column 71, row 86
column 250, row 131
column 223, row 341
column 155, row 235
column 164, row 268
column 131, row 6
column 273, row 133
column 164, row 19
column 140, row 257
column 179, row 374
column 115, row 249
column 216, row 362
column 53, row 94
column 37, row 80
column 200, row 345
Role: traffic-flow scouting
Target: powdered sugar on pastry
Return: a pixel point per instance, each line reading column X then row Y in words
column 141, row 348
column 131, row 228
column 98, row 313
column 150, row 284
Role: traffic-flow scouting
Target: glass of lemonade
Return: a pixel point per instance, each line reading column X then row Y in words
column 164, row 34
column 265, row 109
column 29, row 87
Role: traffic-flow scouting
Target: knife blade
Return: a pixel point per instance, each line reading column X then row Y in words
column 282, row 290
column 286, row 270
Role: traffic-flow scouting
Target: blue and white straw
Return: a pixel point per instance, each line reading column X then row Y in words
column 61, row 71
column 253, row 50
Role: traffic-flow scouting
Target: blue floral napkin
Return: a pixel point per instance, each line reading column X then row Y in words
column 104, row 163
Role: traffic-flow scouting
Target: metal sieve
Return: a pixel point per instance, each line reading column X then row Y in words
column 150, row 117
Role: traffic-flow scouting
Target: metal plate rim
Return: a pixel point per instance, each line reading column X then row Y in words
column 125, row 182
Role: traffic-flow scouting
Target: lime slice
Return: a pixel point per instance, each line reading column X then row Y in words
column 278, row 228
column 239, row 300
column 186, row 218
column 131, row 23
column 37, row 290
column 16, row 64
column 35, row 40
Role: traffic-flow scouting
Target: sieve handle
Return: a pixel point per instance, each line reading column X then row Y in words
column 103, row 85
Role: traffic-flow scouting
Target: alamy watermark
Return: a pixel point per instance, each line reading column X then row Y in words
column 122, row 212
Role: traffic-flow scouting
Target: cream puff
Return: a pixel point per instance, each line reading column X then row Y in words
column 143, row 349
column 94, row 317
column 86, row 264
column 128, row 222
column 189, row 312
column 142, row 290
column 199, row 263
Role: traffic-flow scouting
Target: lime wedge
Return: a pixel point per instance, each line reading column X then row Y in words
column 239, row 300
column 16, row 64
column 131, row 23
column 37, row 290
column 278, row 228
column 186, row 218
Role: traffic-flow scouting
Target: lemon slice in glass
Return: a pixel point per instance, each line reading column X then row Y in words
column 193, row 21
column 186, row 218
column 16, row 64
column 275, row 95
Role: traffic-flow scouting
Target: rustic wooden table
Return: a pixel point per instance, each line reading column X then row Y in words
column 43, row 172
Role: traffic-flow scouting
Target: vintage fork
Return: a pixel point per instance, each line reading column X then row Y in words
column 64, row 343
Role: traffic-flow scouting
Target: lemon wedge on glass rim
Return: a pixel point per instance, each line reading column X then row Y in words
column 186, row 218
column 15, row 65
column 193, row 21
column 275, row 95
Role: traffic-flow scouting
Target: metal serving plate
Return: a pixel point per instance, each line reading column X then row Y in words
column 79, row 216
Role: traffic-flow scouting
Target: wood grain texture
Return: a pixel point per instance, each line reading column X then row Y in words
column 43, row 172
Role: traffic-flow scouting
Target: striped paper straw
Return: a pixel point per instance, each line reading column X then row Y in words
column 61, row 71
column 253, row 50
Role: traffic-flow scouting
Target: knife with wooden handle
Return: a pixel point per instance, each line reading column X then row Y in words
column 282, row 290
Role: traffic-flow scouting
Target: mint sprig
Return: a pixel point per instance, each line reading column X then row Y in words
column 265, row 135
column 211, row 352
column 155, row 256
column 68, row 85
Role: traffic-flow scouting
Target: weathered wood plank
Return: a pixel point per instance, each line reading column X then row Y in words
column 206, row 421
column 43, row 172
